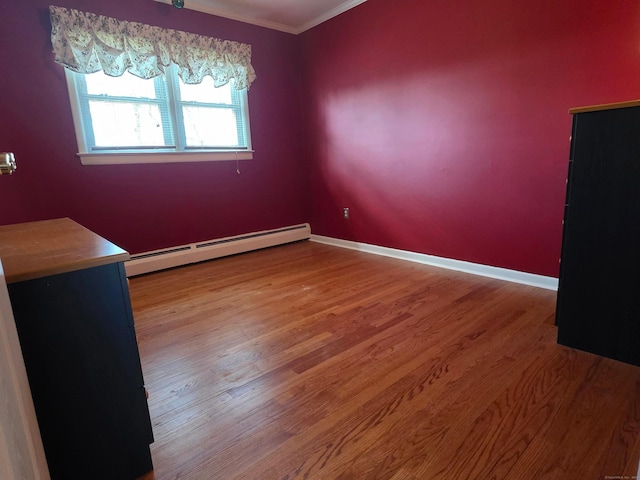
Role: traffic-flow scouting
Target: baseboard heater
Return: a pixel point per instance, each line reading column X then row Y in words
column 208, row 250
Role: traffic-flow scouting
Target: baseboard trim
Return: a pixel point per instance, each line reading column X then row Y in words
column 532, row 279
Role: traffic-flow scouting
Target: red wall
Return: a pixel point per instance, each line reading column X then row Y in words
column 144, row 207
column 443, row 125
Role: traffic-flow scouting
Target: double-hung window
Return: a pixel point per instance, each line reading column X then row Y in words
column 127, row 119
column 145, row 94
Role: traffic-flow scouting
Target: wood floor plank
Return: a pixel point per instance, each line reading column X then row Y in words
column 311, row 362
column 471, row 382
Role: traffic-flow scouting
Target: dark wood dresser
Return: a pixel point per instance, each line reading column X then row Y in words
column 598, row 307
column 71, row 305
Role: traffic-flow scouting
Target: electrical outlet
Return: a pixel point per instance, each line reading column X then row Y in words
column 345, row 212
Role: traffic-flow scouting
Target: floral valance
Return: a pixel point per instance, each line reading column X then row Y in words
column 87, row 43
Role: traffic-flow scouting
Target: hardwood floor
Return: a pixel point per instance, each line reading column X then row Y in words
column 312, row 362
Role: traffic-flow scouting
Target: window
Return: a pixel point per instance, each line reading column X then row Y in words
column 120, row 118
column 127, row 119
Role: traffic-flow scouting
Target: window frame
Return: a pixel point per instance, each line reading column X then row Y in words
column 156, row 155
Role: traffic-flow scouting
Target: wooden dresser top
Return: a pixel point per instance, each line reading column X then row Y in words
column 606, row 106
column 38, row 249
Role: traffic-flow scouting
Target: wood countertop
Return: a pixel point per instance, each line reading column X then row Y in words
column 38, row 249
column 605, row 106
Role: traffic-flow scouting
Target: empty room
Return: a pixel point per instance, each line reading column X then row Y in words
column 286, row 239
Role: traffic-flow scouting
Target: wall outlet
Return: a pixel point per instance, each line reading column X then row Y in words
column 345, row 212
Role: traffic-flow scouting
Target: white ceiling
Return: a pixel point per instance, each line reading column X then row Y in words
column 292, row 16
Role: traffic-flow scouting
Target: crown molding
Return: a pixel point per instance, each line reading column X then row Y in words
column 329, row 15
column 295, row 30
column 225, row 13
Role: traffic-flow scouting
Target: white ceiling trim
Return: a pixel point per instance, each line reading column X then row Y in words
column 329, row 15
column 222, row 12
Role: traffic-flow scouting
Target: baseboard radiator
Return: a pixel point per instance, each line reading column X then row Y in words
column 199, row 252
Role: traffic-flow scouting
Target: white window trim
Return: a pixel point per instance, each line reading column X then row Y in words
column 165, row 157
column 123, row 157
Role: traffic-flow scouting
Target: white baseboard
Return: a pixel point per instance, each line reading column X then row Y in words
column 198, row 252
column 532, row 279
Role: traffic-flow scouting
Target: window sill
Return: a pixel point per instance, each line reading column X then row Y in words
column 164, row 157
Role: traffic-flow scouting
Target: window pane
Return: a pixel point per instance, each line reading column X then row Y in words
column 119, row 124
column 125, row 86
column 210, row 127
column 205, row 92
column 129, row 113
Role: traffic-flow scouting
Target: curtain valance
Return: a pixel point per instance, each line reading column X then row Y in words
column 87, row 43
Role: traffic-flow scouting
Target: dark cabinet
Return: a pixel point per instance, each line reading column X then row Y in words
column 76, row 331
column 598, row 308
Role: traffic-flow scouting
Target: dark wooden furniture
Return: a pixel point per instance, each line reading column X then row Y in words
column 598, row 307
column 71, row 305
